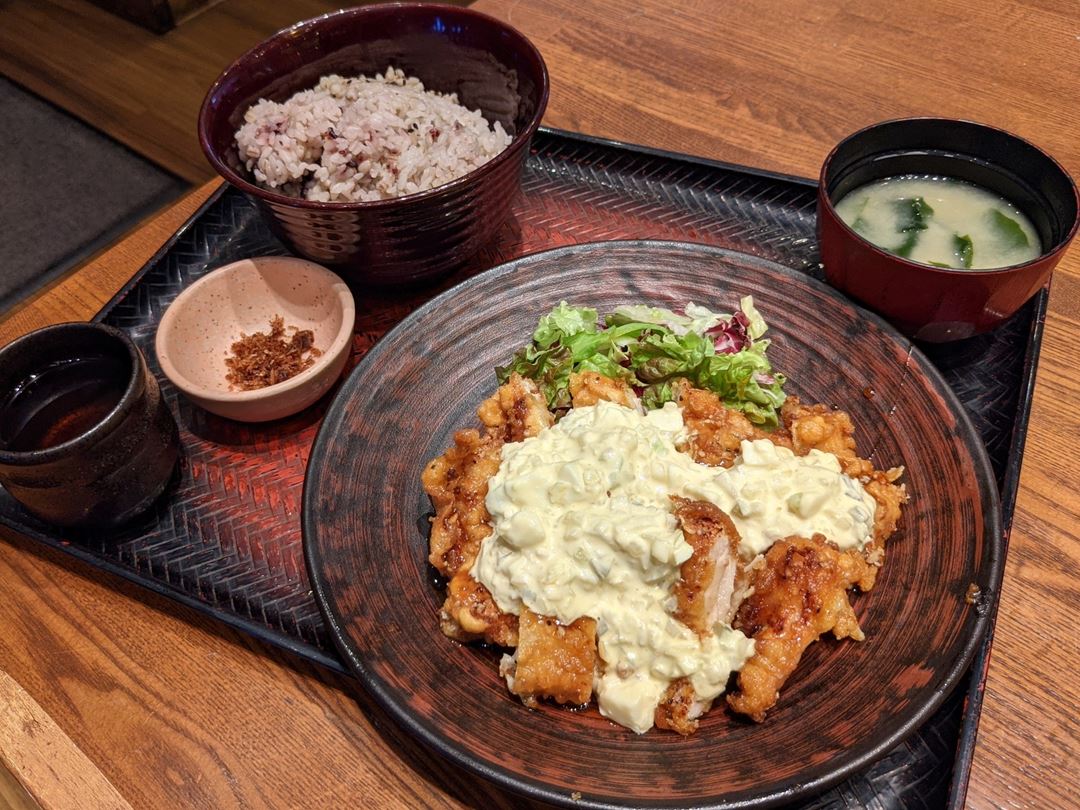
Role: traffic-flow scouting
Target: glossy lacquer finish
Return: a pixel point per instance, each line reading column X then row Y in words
column 114, row 468
column 486, row 62
column 366, row 534
column 930, row 303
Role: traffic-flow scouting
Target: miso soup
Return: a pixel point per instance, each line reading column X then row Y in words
column 941, row 221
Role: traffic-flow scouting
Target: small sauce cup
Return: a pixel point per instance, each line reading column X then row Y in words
column 929, row 303
column 85, row 436
column 197, row 331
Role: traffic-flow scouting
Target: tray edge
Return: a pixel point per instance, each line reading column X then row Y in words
column 160, row 253
column 973, row 699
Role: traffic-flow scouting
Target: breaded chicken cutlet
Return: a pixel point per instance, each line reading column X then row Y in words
column 797, row 572
column 711, row 584
column 784, row 600
column 457, row 483
column 797, row 595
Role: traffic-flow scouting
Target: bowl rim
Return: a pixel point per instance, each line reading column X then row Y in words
column 107, row 423
column 825, row 201
column 338, row 346
column 314, row 23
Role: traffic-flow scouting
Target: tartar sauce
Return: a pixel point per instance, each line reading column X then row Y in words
column 583, row 526
column 771, row 493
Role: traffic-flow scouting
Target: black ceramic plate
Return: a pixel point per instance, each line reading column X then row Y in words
column 848, row 703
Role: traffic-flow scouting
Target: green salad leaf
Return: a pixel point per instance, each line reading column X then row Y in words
column 563, row 322
column 649, row 348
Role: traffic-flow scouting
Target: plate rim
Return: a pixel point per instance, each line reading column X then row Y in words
column 793, row 788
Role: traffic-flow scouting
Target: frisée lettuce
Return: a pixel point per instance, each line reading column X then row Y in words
column 649, row 348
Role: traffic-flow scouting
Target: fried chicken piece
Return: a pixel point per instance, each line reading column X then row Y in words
column 680, row 708
column 457, row 483
column 717, row 431
column 552, row 660
column 470, row 613
column 818, row 427
column 712, row 581
column 890, row 496
column 515, row 411
column 711, row 584
column 589, row 387
column 799, row 593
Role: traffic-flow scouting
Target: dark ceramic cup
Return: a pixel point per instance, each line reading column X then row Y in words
column 930, row 303
column 85, row 436
column 488, row 64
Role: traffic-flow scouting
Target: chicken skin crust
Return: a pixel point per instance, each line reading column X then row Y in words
column 588, row 388
column 457, row 483
column 712, row 578
column 679, row 709
column 717, row 431
column 553, row 660
column 515, row 411
column 470, row 613
column 799, row 593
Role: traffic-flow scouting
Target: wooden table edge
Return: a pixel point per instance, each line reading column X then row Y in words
column 80, row 294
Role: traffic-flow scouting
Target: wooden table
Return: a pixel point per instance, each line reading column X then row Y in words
column 115, row 697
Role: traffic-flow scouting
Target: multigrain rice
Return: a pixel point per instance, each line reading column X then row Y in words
column 351, row 139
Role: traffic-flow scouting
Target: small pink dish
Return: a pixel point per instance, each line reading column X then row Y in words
column 198, row 329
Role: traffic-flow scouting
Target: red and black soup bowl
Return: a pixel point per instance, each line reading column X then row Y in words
column 926, row 302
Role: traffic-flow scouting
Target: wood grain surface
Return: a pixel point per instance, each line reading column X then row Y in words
column 175, row 711
column 50, row 768
column 143, row 89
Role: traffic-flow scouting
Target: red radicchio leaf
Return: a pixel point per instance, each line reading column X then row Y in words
column 731, row 336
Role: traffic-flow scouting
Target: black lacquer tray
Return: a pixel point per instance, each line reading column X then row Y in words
column 226, row 538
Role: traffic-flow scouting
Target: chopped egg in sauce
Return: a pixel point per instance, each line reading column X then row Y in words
column 583, row 526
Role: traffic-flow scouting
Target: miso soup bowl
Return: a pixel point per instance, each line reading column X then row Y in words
column 930, row 303
column 488, row 64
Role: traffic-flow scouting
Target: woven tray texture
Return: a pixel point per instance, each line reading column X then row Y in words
column 227, row 538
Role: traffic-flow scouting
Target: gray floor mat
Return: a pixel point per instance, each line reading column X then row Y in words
column 66, row 190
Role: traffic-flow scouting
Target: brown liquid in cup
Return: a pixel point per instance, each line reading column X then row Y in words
column 86, row 438
column 61, row 402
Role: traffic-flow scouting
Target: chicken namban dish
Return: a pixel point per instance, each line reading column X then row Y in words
column 643, row 518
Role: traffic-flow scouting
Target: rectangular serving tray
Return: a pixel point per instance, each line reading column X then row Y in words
column 226, row 541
